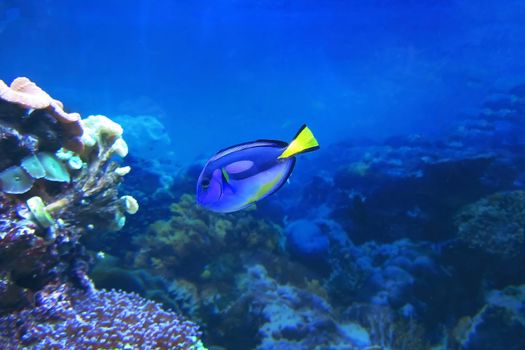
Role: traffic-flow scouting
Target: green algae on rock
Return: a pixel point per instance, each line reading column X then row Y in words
column 14, row 180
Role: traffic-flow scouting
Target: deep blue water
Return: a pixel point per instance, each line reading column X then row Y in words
column 221, row 72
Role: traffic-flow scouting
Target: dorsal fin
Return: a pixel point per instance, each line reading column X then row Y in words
column 246, row 145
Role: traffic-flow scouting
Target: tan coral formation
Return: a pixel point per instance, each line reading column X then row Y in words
column 91, row 198
column 26, row 94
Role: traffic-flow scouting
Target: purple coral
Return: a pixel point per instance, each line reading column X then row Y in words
column 43, row 261
column 67, row 319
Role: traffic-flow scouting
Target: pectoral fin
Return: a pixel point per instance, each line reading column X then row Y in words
column 225, row 175
column 226, row 180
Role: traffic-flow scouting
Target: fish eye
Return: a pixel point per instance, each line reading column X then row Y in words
column 205, row 183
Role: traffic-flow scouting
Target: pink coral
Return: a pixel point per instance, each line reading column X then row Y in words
column 26, row 94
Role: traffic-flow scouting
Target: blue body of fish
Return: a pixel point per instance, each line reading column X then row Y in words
column 240, row 175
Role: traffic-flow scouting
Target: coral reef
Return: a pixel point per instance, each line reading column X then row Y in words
column 68, row 168
column 292, row 318
column 388, row 246
column 27, row 108
column 107, row 273
column 306, row 241
column 193, row 238
column 499, row 324
column 152, row 181
column 66, row 319
column 59, row 178
column 411, row 186
column 146, row 129
column 414, row 189
column 494, row 225
column 388, row 330
column 51, row 195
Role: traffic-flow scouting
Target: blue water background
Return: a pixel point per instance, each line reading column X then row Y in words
column 221, row 72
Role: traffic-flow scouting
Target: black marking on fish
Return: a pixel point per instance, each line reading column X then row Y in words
column 246, row 145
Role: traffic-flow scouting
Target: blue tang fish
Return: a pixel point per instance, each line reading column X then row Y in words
column 239, row 176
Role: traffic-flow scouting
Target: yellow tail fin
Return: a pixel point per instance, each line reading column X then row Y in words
column 304, row 141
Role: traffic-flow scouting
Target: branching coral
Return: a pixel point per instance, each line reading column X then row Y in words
column 58, row 181
column 388, row 330
column 36, row 134
column 46, row 205
column 92, row 202
column 192, row 237
column 65, row 319
column 494, row 225
column 287, row 317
